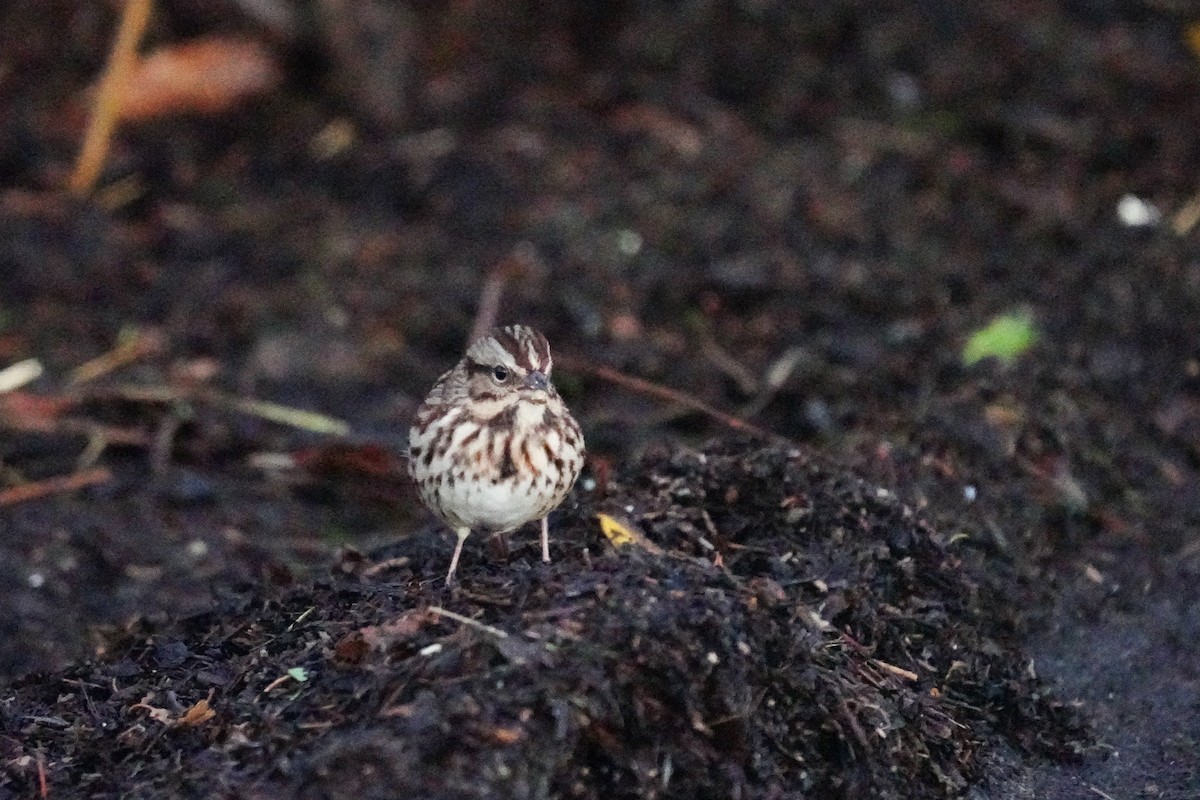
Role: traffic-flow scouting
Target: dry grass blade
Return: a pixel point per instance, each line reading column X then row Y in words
column 284, row 415
column 107, row 109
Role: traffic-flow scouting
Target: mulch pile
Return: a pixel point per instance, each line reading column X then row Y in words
column 777, row 628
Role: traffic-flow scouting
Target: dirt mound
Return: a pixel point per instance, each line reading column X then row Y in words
column 776, row 628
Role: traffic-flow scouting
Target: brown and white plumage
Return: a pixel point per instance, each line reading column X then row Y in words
column 493, row 446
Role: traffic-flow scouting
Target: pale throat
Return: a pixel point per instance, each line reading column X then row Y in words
column 528, row 413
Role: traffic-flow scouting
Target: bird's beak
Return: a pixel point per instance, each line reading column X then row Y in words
column 537, row 380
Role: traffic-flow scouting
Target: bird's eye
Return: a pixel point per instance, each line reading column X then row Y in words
column 500, row 374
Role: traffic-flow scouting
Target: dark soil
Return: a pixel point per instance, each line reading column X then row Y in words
column 937, row 580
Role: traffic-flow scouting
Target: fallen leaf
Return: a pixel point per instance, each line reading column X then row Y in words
column 198, row 714
column 1193, row 38
column 505, row 736
column 203, row 76
column 1006, row 337
column 621, row 534
column 351, row 648
column 615, row 532
column 354, row 646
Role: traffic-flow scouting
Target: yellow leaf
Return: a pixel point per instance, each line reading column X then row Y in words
column 615, row 532
column 1193, row 38
column 623, row 533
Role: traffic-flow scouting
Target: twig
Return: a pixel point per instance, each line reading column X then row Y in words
column 489, row 302
column 642, row 386
column 43, row 414
column 275, row 684
column 131, row 347
column 855, row 728
column 109, row 97
column 746, row 380
column 1100, row 792
column 74, row 426
column 97, row 443
column 862, row 649
column 163, row 442
column 442, row 612
column 900, row 672
column 55, row 485
column 134, row 393
column 521, row 261
column 43, row 786
column 303, row 616
column 386, row 564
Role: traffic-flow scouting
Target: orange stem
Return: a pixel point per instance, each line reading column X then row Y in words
column 107, row 110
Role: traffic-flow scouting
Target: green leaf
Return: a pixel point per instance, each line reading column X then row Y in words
column 298, row 674
column 1006, row 337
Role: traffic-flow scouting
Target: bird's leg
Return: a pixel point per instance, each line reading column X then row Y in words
column 463, row 533
column 546, row 538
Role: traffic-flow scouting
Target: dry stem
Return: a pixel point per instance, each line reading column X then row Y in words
column 109, row 97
